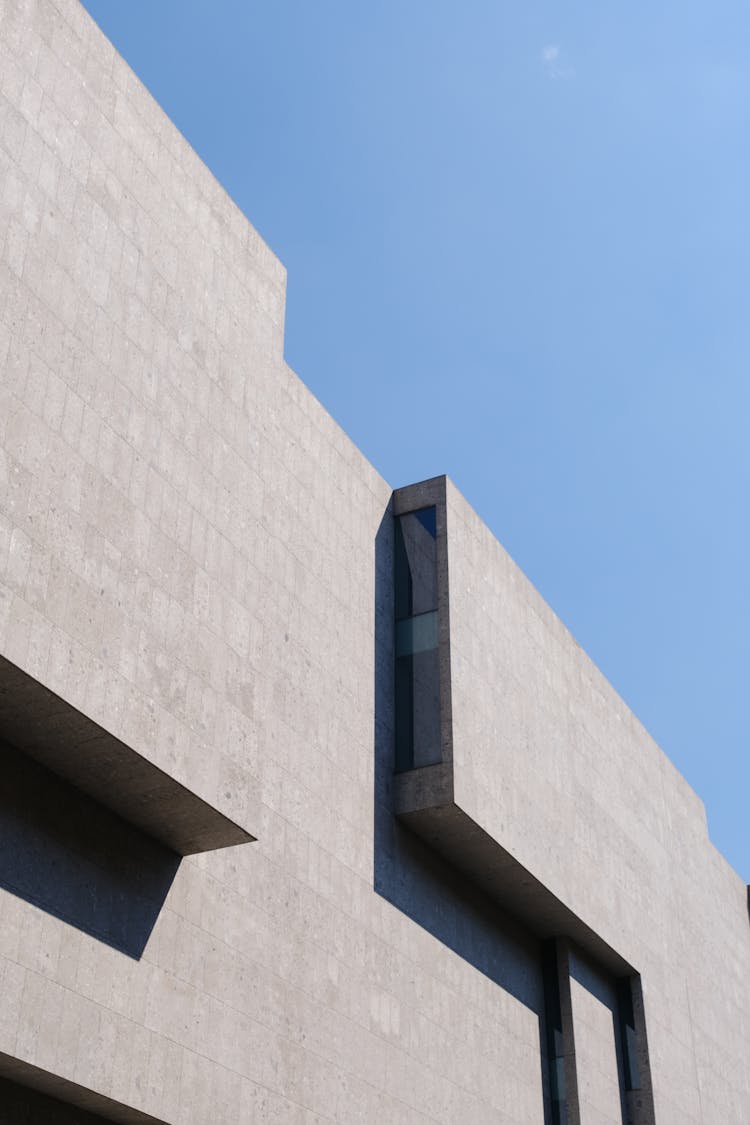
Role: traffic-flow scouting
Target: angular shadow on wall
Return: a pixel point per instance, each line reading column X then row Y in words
column 415, row 879
column 73, row 858
column 24, row 1106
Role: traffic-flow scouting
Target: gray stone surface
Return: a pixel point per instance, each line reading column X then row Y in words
column 194, row 557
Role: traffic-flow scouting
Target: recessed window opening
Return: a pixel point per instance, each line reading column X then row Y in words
column 417, row 679
column 556, row 1045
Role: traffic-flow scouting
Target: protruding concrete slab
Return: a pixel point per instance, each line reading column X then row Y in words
column 49, row 729
column 424, row 803
column 29, row 1094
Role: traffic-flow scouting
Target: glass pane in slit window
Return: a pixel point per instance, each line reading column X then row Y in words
column 417, row 679
column 416, row 564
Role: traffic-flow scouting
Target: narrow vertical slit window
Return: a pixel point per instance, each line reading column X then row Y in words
column 555, row 1033
column 628, row 1035
column 417, row 679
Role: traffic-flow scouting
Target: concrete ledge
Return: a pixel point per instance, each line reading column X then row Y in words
column 45, row 727
column 84, row 1107
column 423, row 801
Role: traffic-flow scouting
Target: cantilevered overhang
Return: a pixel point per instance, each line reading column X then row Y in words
column 47, row 728
column 72, row 1103
column 424, row 803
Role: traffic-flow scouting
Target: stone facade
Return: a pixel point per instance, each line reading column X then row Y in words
column 209, row 913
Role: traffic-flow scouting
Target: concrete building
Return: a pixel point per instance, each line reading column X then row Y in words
column 311, row 810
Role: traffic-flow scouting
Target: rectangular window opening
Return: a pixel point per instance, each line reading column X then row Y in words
column 417, row 666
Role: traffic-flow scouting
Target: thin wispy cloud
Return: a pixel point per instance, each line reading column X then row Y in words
column 554, row 62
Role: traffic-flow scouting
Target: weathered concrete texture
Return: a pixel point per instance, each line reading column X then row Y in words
column 196, row 559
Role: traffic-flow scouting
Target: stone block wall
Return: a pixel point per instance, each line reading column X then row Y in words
column 195, row 558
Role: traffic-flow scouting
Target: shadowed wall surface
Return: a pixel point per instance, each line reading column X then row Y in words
column 72, row 857
column 21, row 1106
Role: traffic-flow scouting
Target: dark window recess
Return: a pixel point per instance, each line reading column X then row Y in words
column 555, row 1035
column 417, row 672
column 628, row 1034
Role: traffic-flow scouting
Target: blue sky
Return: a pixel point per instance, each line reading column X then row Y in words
column 518, row 244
